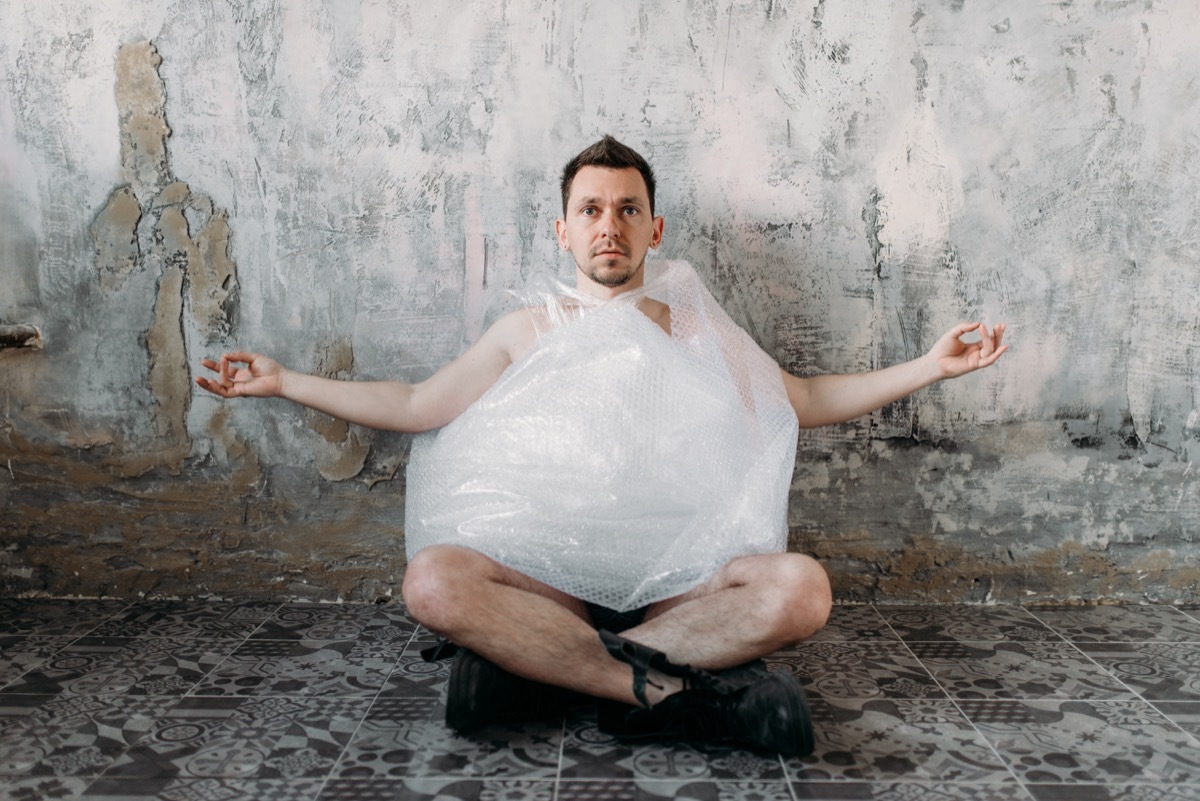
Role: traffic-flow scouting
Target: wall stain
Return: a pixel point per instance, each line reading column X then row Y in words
column 934, row 570
column 352, row 443
column 158, row 224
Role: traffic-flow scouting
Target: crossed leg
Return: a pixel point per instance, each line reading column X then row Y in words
column 752, row 606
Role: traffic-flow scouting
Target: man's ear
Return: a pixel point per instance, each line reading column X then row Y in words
column 656, row 240
column 560, row 230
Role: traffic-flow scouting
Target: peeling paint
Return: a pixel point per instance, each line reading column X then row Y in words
column 196, row 279
column 351, row 444
column 141, row 98
column 114, row 232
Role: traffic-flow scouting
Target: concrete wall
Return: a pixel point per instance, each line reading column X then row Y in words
column 353, row 186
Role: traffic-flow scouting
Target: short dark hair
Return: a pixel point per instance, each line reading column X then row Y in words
column 608, row 152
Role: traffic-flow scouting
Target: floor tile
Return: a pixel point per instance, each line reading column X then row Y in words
column 1184, row 714
column 375, row 622
column 21, row 653
column 1107, row 792
column 529, row 751
column 55, row 618
column 440, row 789
column 886, row 741
column 1017, row 670
column 41, row 788
column 414, row 676
column 1158, row 671
column 304, row 667
column 1119, row 623
column 851, row 623
column 589, row 753
column 128, row 665
column 870, row 669
column 965, row 623
column 72, row 735
column 242, row 738
column 217, row 619
column 685, row 790
column 106, row 789
column 387, row 743
column 1086, row 742
column 908, row 791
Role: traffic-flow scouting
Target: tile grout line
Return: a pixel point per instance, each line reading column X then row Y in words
column 69, row 639
column 243, row 641
column 1138, row 695
column 562, row 747
column 787, row 779
column 91, row 780
column 332, row 774
column 959, row 708
column 1075, row 646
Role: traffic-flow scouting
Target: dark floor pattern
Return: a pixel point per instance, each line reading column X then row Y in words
column 302, row 702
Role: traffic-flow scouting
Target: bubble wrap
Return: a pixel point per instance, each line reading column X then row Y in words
column 616, row 463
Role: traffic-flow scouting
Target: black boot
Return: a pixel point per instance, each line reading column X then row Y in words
column 745, row 706
column 481, row 692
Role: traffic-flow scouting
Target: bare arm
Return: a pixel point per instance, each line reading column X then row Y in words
column 390, row 405
column 828, row 399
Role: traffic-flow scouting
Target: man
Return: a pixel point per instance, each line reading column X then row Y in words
column 672, row 666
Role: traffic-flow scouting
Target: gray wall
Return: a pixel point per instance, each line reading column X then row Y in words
column 353, row 187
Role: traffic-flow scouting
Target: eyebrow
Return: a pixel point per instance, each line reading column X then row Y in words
column 631, row 200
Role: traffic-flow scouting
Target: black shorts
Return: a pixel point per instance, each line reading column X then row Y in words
column 607, row 619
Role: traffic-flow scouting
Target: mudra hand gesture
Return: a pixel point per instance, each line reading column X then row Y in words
column 955, row 357
column 261, row 377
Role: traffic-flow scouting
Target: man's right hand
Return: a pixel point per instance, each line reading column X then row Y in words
column 261, row 377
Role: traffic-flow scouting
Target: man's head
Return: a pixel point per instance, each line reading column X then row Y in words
column 608, row 220
column 610, row 153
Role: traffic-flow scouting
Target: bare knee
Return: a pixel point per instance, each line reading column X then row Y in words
column 798, row 598
column 434, row 578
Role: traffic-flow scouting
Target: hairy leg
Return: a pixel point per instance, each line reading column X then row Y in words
column 524, row 626
column 752, row 606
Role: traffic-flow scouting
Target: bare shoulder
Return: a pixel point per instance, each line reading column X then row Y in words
column 514, row 333
column 660, row 313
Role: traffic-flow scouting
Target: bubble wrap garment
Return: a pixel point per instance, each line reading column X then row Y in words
column 614, row 462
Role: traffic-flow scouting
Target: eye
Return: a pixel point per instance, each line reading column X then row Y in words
column 630, row 211
column 588, row 211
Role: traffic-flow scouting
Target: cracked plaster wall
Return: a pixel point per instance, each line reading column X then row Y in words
column 353, row 187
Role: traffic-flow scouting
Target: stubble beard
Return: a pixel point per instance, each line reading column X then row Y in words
column 613, row 280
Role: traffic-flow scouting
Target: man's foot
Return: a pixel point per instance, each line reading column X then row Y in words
column 768, row 715
column 745, row 706
column 480, row 692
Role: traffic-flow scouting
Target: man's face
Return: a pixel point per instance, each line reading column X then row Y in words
column 608, row 226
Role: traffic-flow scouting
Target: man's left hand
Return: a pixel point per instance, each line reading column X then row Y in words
column 955, row 357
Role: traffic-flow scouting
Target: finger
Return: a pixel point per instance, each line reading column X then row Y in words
column 212, row 386
column 964, row 328
column 226, row 378
column 999, row 332
column 209, row 363
column 996, row 354
column 986, row 345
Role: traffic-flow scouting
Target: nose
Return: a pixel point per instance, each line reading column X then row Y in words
column 610, row 225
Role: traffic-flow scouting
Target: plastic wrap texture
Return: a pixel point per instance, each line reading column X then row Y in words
column 613, row 461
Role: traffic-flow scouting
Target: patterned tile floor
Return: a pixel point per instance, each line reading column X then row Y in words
column 299, row 702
